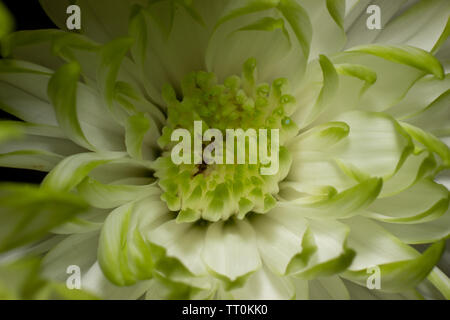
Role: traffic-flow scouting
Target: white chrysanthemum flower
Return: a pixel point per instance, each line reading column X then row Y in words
column 360, row 113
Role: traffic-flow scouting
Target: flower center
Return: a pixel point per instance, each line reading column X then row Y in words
column 252, row 118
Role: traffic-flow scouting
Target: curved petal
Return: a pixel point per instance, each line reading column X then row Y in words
column 363, row 149
column 89, row 221
column 403, row 275
column 327, row 25
column 338, row 205
column 313, row 165
column 48, row 47
column 421, row 95
column 327, row 93
column 435, row 117
column 361, row 292
column 23, row 84
column 28, row 213
column 328, row 288
column 21, row 280
column 100, row 18
column 113, row 195
column 279, row 236
column 95, row 281
column 141, row 135
column 162, row 64
column 394, row 76
column 308, row 175
column 428, row 141
column 264, row 285
column 72, row 170
column 227, row 243
column 415, row 167
column 347, row 90
column 374, row 245
column 168, row 289
column 125, row 255
column 184, row 241
column 440, row 281
column 320, row 137
column 407, row 55
column 332, row 255
column 62, row 89
column 80, row 112
column 424, row 201
column 287, row 39
column 301, row 288
column 39, row 148
column 79, row 250
column 420, row 26
column 443, row 54
column 356, row 20
column 426, row 232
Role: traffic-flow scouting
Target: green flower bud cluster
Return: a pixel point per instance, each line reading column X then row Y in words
column 219, row 191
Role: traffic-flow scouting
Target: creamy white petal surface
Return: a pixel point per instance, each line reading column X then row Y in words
column 363, row 116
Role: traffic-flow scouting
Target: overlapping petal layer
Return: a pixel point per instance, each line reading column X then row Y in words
column 371, row 112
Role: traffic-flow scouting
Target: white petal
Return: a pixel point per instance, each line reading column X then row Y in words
column 264, row 285
column 184, row 241
column 279, row 235
column 94, row 281
column 328, row 288
column 420, row 26
column 79, row 250
column 374, row 245
column 230, row 249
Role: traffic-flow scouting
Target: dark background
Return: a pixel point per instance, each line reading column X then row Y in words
column 28, row 15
